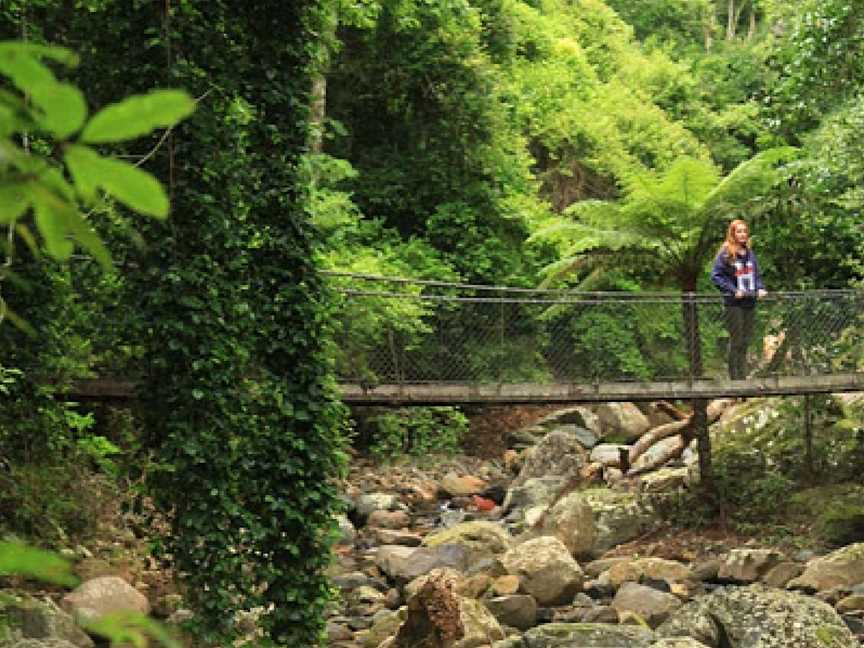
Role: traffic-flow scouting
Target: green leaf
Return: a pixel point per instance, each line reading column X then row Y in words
column 14, row 202
column 127, row 183
column 20, row 559
column 24, row 70
column 138, row 115
column 62, row 105
column 53, row 215
column 35, row 50
column 84, row 234
column 85, row 174
column 24, row 326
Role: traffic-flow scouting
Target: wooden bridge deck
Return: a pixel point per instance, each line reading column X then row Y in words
column 471, row 393
column 520, row 393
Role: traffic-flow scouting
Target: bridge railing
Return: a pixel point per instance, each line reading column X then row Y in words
column 396, row 331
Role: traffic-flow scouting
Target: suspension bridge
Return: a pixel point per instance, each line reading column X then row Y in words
column 404, row 341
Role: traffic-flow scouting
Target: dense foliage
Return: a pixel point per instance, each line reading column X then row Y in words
column 599, row 144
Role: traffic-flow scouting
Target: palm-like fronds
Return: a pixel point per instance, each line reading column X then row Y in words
column 672, row 215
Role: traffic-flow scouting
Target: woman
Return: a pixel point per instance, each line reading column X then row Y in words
column 736, row 274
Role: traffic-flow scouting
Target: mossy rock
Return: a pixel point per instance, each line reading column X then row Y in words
column 841, row 525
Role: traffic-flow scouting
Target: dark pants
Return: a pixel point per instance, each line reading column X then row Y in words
column 739, row 323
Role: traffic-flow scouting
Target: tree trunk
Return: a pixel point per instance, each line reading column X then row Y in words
column 731, row 21
column 751, row 31
column 693, row 340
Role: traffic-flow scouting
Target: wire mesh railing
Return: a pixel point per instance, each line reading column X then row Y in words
column 398, row 331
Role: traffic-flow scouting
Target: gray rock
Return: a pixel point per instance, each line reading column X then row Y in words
column 646, row 603
column 94, row 599
column 367, row 503
column 536, row 491
column 588, row 635
column 747, row 565
column 37, row 643
column 407, row 563
column 844, row 567
column 546, row 570
column 571, row 520
column 514, row 610
column 347, row 532
column 44, row 620
column 557, row 455
column 664, row 480
column 480, row 539
column 780, row 574
column 623, row 419
column 618, row 518
column 584, row 436
column 608, row 454
column 679, row 642
column 756, row 616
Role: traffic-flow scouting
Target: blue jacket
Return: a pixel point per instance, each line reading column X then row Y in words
column 742, row 274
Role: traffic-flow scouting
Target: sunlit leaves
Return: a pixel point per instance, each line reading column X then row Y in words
column 138, row 115
column 20, row 559
column 135, row 188
column 57, row 111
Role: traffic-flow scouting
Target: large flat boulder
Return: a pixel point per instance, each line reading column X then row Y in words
column 404, row 564
column 623, row 420
column 647, row 604
column 546, row 570
column 756, row 616
column 588, row 635
column 480, row 538
column 841, row 568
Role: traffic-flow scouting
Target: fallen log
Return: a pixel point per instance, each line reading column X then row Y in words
column 682, row 428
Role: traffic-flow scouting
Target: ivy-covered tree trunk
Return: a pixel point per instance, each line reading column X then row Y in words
column 241, row 409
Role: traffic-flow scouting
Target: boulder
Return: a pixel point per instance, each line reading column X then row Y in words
column 37, row 643
column 679, row 642
column 658, row 569
column 851, row 603
column 347, row 532
column 571, row 520
column 646, row 603
column 456, row 485
column 664, row 480
column 546, row 570
column 557, row 455
column 618, row 518
column 367, row 503
column 94, row 599
column 388, row 520
column 781, row 573
column 437, row 616
column 44, row 620
column 747, row 565
column 481, row 539
column 386, row 625
column 841, row 568
column 397, row 537
column 609, row 454
column 407, row 563
column 533, row 492
column 514, row 610
column 623, row 420
column 756, row 616
column 588, row 635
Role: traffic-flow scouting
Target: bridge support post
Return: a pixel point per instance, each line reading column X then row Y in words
column 808, row 435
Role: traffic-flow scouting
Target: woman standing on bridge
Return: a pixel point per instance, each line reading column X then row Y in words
column 736, row 274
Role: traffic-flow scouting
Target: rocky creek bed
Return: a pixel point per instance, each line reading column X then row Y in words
column 551, row 544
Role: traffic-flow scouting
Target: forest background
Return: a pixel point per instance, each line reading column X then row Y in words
column 452, row 140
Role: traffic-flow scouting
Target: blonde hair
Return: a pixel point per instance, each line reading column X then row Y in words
column 730, row 246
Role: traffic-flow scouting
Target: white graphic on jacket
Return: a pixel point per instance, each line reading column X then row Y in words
column 745, row 275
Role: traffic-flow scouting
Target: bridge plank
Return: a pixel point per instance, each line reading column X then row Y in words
column 467, row 393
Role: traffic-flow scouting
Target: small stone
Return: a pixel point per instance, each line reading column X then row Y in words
column 852, row 603
column 389, row 519
column 505, row 585
column 462, row 485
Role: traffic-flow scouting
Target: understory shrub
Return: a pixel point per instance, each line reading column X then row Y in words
column 416, row 431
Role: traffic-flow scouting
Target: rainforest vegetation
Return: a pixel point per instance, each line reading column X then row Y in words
column 503, row 142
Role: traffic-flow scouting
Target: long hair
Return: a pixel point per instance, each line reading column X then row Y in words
column 730, row 245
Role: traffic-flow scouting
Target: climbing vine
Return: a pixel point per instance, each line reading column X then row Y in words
column 228, row 312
